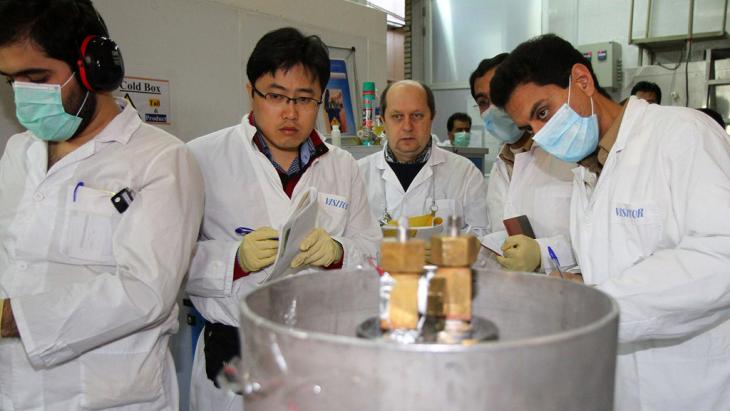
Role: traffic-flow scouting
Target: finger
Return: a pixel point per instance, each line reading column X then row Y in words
column 315, row 256
column 263, row 233
column 324, row 261
column 267, row 244
column 511, row 253
column 271, row 253
column 298, row 260
column 267, row 260
column 507, row 244
column 309, row 240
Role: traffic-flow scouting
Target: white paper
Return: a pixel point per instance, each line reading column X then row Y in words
column 494, row 241
column 300, row 223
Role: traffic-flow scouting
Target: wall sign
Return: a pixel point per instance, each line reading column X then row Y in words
column 151, row 98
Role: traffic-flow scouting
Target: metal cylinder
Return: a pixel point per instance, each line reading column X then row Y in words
column 557, row 349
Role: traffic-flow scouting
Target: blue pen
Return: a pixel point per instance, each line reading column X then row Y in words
column 243, row 230
column 554, row 259
column 76, row 189
column 246, row 230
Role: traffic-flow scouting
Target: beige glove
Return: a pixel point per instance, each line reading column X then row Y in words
column 521, row 253
column 258, row 249
column 319, row 249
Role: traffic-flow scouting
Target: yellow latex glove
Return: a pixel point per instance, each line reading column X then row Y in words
column 258, row 249
column 319, row 249
column 521, row 253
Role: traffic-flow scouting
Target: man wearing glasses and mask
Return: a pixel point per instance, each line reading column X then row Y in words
column 254, row 173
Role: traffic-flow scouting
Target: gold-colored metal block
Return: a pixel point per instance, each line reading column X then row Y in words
column 408, row 257
column 457, row 301
column 403, row 310
column 458, row 251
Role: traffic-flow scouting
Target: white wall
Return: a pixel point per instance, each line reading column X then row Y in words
column 594, row 21
column 201, row 47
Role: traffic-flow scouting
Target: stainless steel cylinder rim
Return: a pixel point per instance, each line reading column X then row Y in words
column 554, row 338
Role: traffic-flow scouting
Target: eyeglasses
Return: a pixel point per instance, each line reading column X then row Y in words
column 276, row 99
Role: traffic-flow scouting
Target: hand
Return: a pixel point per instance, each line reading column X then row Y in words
column 258, row 249
column 521, row 253
column 318, row 249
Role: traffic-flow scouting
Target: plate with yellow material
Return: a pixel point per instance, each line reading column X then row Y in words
column 422, row 227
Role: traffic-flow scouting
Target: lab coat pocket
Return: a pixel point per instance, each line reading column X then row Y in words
column 640, row 224
column 88, row 225
column 113, row 379
column 332, row 213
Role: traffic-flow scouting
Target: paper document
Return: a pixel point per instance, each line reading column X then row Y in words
column 493, row 241
column 301, row 221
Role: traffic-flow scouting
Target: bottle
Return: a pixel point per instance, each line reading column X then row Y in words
column 368, row 109
column 336, row 135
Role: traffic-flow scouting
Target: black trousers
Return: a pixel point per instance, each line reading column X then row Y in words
column 221, row 345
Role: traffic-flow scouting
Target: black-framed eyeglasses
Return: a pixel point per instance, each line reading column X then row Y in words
column 276, row 99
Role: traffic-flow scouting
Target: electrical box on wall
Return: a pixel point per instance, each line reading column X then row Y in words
column 606, row 61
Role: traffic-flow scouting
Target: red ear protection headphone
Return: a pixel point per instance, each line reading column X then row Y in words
column 101, row 67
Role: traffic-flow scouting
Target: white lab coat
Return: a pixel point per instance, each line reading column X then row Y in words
column 540, row 188
column 460, row 188
column 243, row 189
column 654, row 232
column 497, row 186
column 93, row 291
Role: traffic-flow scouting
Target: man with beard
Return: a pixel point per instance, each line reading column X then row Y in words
column 99, row 214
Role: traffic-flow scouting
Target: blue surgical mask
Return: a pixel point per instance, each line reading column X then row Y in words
column 462, row 138
column 567, row 135
column 500, row 125
column 39, row 108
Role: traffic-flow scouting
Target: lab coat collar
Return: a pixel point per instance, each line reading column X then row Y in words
column 633, row 111
column 250, row 130
column 119, row 130
column 438, row 156
column 122, row 126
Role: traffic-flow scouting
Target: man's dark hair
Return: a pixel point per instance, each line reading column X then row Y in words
column 482, row 69
column 650, row 87
column 430, row 100
column 543, row 60
column 285, row 48
column 457, row 116
column 58, row 27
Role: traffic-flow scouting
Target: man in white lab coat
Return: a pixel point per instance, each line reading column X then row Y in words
column 98, row 219
column 411, row 176
column 525, row 180
column 254, row 173
column 649, row 221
